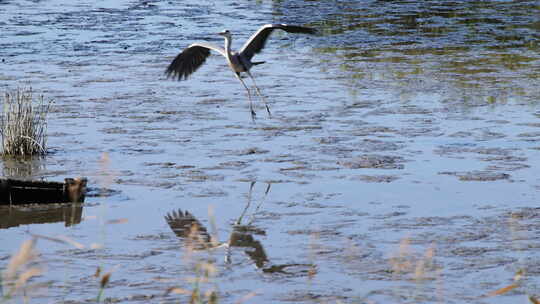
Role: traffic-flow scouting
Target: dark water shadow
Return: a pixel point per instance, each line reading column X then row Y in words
column 69, row 214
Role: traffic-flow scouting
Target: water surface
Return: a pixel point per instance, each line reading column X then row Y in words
column 400, row 164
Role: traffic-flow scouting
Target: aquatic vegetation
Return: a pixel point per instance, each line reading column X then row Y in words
column 23, row 124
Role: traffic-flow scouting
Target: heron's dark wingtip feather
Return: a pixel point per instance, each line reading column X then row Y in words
column 299, row 29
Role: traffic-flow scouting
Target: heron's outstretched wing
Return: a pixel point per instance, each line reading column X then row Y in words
column 190, row 60
column 257, row 41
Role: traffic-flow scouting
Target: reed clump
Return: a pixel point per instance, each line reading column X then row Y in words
column 23, row 123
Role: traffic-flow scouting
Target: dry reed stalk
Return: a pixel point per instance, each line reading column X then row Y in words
column 314, row 246
column 402, row 262
column 104, row 280
column 177, row 290
column 406, row 262
column 62, row 239
column 518, row 277
column 503, row 290
column 23, row 123
column 117, row 221
column 214, row 237
column 246, row 297
column 21, row 268
column 425, row 264
column 106, row 175
column 352, row 251
column 204, row 269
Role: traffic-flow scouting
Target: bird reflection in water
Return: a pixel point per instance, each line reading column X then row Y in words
column 196, row 236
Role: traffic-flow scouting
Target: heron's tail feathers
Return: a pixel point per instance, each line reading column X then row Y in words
column 258, row 62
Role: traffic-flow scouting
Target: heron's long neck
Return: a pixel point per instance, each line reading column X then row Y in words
column 228, row 41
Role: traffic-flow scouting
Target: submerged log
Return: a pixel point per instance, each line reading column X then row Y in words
column 16, row 192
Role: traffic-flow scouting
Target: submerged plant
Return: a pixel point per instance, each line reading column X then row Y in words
column 23, row 123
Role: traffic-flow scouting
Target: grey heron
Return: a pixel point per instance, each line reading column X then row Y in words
column 193, row 57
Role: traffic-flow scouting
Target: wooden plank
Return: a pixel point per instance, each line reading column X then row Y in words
column 16, row 192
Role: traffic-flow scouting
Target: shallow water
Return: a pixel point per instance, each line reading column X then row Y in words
column 400, row 164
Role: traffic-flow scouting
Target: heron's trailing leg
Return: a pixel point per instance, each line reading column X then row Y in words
column 259, row 92
column 253, row 114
